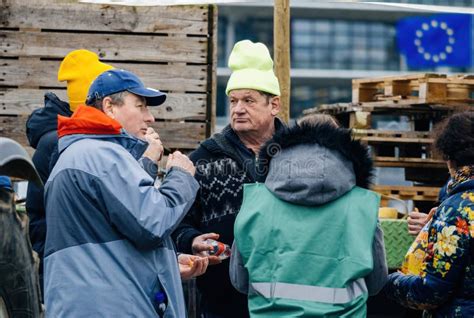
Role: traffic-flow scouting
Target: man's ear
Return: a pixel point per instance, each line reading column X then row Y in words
column 275, row 103
column 107, row 107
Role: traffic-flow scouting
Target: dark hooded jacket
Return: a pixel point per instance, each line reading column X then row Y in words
column 223, row 165
column 41, row 130
column 19, row 287
column 312, row 166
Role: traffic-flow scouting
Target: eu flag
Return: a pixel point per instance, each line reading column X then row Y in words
column 436, row 40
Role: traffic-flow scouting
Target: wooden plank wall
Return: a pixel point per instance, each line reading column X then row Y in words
column 170, row 48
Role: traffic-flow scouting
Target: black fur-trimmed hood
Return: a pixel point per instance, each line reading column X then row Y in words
column 314, row 164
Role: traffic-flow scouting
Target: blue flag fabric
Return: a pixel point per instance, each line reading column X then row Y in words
column 436, row 40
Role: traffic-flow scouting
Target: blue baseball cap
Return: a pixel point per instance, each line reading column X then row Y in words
column 116, row 81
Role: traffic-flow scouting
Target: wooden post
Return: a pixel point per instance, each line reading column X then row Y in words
column 281, row 46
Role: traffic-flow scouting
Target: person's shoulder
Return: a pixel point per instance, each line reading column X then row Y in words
column 101, row 148
column 459, row 204
column 208, row 150
column 466, row 201
column 94, row 155
column 48, row 141
column 466, row 196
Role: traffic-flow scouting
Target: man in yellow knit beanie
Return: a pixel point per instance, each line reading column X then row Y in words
column 79, row 68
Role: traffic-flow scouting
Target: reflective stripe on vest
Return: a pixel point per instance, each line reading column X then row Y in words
column 310, row 293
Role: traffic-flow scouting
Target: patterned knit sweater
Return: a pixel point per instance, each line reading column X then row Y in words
column 223, row 165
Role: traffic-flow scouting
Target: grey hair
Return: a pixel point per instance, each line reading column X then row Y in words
column 267, row 96
column 117, row 99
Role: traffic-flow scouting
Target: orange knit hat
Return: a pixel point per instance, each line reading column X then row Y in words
column 80, row 68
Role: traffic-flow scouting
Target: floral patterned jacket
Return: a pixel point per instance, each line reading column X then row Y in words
column 445, row 288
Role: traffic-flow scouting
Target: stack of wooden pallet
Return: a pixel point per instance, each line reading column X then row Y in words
column 170, row 48
column 421, row 100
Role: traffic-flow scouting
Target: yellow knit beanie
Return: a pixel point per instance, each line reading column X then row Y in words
column 252, row 68
column 80, row 68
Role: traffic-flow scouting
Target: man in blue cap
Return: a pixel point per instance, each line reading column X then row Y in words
column 108, row 248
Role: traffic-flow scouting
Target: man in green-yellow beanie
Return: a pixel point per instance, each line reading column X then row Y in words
column 224, row 163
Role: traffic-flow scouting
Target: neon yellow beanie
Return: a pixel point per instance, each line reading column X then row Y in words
column 252, row 68
column 80, row 68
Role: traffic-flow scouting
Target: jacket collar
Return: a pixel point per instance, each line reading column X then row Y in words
column 228, row 143
column 89, row 122
column 45, row 119
column 462, row 181
column 327, row 136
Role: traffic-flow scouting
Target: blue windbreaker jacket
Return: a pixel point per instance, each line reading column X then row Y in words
column 108, row 247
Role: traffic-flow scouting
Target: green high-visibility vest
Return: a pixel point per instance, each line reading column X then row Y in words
column 307, row 260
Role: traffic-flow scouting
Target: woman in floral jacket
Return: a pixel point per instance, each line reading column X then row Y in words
column 445, row 287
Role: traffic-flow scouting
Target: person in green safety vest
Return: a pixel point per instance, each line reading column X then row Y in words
column 307, row 241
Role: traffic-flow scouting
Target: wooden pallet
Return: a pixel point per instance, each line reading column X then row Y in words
column 415, row 89
column 359, row 117
column 170, row 48
column 405, row 144
column 391, row 148
column 403, row 162
column 385, row 107
column 414, row 193
column 372, row 136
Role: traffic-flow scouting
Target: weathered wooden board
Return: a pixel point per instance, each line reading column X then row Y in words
column 185, row 135
column 71, row 15
column 32, row 72
column 409, row 193
column 110, row 47
column 380, row 80
column 170, row 48
column 212, row 77
column 408, row 162
column 181, row 135
column 391, row 136
column 178, row 106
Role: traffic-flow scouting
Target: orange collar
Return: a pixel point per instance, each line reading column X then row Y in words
column 87, row 120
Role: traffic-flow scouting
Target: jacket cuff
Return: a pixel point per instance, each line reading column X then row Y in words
column 150, row 167
column 175, row 168
column 184, row 240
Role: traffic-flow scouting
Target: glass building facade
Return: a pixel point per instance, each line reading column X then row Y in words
column 326, row 44
column 343, row 45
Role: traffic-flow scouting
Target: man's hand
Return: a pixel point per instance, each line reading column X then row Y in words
column 177, row 159
column 200, row 248
column 191, row 266
column 417, row 220
column 154, row 151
